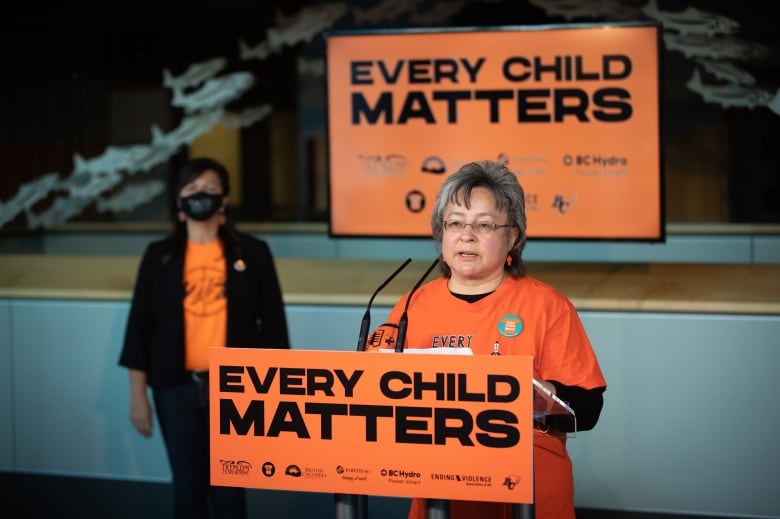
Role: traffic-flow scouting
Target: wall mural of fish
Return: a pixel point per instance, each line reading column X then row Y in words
column 710, row 41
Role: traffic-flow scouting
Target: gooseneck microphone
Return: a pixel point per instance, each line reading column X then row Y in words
column 404, row 321
column 363, row 336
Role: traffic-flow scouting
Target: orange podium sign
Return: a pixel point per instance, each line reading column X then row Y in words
column 424, row 425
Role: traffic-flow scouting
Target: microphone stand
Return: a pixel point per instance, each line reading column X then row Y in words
column 434, row 508
column 351, row 506
column 403, row 322
column 363, row 335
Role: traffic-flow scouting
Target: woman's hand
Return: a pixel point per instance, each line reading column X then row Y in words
column 140, row 408
column 141, row 415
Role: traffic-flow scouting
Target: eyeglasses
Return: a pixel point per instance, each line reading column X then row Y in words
column 477, row 227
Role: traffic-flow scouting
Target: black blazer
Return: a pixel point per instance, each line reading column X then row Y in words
column 154, row 337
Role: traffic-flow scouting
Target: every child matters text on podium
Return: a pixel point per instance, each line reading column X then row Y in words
column 424, row 425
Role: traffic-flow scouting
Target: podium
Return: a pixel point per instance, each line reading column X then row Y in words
column 353, row 424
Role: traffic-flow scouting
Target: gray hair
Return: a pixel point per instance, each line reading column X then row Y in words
column 507, row 191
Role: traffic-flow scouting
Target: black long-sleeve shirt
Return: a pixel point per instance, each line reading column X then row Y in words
column 586, row 404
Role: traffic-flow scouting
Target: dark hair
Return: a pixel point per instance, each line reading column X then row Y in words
column 509, row 196
column 191, row 170
column 194, row 168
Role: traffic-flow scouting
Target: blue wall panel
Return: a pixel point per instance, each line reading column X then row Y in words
column 688, row 426
column 6, row 385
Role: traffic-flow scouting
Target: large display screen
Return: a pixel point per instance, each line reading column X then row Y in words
column 572, row 110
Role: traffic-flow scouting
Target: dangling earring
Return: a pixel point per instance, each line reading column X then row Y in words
column 509, row 260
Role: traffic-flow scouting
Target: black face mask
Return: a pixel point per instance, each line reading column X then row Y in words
column 201, row 206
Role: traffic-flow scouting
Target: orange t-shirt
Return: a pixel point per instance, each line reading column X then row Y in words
column 205, row 303
column 522, row 317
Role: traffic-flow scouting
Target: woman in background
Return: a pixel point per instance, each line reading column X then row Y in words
column 205, row 285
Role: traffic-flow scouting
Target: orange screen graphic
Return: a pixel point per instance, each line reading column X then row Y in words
column 572, row 110
column 438, row 426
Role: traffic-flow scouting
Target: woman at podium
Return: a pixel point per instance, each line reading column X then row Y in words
column 485, row 298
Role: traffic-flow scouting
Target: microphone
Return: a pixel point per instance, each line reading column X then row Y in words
column 363, row 336
column 404, row 321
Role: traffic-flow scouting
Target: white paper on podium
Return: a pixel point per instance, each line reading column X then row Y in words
column 435, row 351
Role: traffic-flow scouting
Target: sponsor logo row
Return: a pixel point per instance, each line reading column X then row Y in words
column 391, row 475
